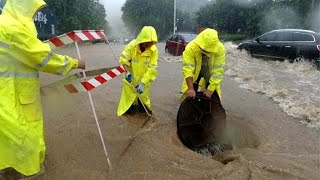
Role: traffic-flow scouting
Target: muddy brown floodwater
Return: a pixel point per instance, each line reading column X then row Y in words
column 267, row 143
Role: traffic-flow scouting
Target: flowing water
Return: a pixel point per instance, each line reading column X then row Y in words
column 294, row 86
column 265, row 103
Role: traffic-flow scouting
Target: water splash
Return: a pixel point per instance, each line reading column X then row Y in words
column 294, row 86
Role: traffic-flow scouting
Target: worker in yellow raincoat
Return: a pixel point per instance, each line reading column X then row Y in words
column 203, row 65
column 22, row 56
column 203, row 70
column 140, row 59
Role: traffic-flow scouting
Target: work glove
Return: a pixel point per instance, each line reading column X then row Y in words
column 140, row 88
column 128, row 77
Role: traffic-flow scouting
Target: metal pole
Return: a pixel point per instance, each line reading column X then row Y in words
column 95, row 114
column 174, row 16
column 313, row 4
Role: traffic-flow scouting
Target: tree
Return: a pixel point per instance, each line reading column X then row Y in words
column 190, row 6
column 186, row 22
column 224, row 16
column 79, row 14
column 139, row 13
column 253, row 17
column 250, row 17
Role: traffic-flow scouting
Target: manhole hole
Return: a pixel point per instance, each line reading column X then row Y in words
column 201, row 123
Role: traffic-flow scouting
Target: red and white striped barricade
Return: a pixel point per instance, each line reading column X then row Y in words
column 84, row 35
column 94, row 82
column 75, row 36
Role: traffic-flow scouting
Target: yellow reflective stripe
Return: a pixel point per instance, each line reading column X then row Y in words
column 45, row 61
column 66, row 63
column 216, row 77
column 188, row 65
column 152, row 67
column 146, row 62
column 4, row 45
column 125, row 57
column 218, row 67
column 19, row 74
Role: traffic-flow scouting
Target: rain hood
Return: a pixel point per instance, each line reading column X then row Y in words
column 147, row 34
column 208, row 40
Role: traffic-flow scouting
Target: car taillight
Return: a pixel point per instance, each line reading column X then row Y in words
column 318, row 46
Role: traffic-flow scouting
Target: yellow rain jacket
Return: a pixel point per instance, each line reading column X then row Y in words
column 142, row 66
column 207, row 42
column 22, row 56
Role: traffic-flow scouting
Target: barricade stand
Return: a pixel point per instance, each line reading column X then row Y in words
column 75, row 37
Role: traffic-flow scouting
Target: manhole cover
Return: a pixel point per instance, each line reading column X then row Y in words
column 201, row 123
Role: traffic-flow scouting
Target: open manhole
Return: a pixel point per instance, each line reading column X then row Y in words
column 201, row 124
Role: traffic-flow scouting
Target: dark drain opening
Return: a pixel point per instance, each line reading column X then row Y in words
column 227, row 160
column 201, row 124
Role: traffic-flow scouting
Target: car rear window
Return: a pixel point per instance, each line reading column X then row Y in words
column 189, row 37
column 174, row 38
column 302, row 37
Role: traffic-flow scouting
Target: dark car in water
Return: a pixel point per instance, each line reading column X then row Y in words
column 176, row 44
column 292, row 44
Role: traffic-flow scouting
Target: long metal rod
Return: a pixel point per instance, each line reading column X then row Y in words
column 144, row 107
column 149, row 115
column 95, row 115
column 174, row 16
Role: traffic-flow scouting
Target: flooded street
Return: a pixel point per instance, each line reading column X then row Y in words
column 295, row 86
column 273, row 121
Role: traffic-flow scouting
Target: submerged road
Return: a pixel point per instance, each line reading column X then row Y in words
column 267, row 142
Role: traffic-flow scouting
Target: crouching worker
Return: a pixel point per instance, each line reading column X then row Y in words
column 203, row 70
column 203, row 64
column 140, row 60
column 22, row 56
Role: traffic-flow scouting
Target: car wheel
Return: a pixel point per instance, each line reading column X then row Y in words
column 246, row 49
column 166, row 50
column 249, row 51
column 299, row 58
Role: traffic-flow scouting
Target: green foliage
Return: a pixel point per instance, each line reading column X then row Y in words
column 225, row 16
column 78, row 14
column 139, row 13
column 186, row 22
column 249, row 17
column 159, row 14
column 252, row 17
column 298, row 13
column 190, row 6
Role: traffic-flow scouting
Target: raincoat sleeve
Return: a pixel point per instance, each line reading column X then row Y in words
column 188, row 63
column 126, row 55
column 151, row 73
column 217, row 70
column 32, row 52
